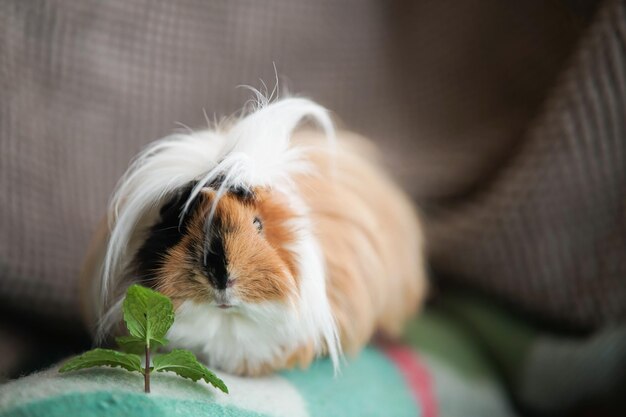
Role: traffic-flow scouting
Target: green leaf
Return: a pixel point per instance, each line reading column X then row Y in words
column 103, row 357
column 185, row 364
column 148, row 315
column 133, row 344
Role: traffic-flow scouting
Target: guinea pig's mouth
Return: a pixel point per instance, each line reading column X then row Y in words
column 223, row 300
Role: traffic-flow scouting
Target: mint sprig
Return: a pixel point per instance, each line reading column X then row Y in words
column 185, row 364
column 148, row 316
column 104, row 357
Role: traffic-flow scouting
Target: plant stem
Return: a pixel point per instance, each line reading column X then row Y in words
column 146, row 372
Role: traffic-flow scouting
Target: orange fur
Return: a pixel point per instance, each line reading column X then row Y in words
column 370, row 236
column 263, row 268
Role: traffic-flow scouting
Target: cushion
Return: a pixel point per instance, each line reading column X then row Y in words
column 548, row 233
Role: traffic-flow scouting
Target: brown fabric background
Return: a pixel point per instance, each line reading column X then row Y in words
column 446, row 88
column 549, row 230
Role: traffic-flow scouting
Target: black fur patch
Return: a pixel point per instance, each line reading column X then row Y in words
column 215, row 262
column 163, row 235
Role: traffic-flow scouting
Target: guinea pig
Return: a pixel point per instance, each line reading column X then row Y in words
column 276, row 244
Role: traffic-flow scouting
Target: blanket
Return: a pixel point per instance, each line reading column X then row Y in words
column 438, row 372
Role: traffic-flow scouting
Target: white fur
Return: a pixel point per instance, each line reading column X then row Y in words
column 252, row 334
column 254, row 151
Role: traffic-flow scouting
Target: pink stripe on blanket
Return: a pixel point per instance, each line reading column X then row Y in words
column 417, row 376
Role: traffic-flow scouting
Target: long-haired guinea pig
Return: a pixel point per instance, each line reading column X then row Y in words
column 276, row 245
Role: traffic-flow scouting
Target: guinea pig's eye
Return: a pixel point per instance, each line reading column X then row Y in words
column 258, row 224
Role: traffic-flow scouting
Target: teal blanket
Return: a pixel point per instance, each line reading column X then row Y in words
column 106, row 391
column 440, row 372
